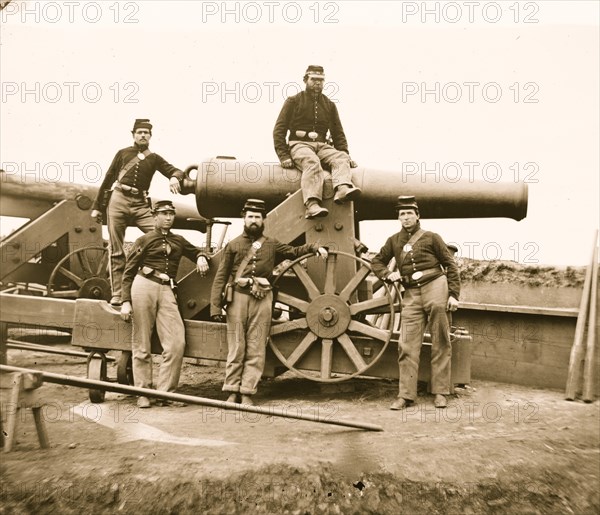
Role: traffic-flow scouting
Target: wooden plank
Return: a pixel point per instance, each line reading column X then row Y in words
column 530, row 310
column 36, row 311
column 575, row 362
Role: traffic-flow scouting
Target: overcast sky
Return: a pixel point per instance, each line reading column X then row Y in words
column 510, row 87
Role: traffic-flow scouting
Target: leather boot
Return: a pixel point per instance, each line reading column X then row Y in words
column 143, row 402
column 400, row 404
column 234, row 397
column 314, row 209
column 247, row 400
column 344, row 193
column 440, row 401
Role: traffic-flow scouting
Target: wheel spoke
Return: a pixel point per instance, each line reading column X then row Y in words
column 103, row 265
column 367, row 330
column 294, row 302
column 70, row 275
column 303, row 346
column 354, row 282
column 330, row 274
column 311, row 288
column 326, row 358
column 84, row 261
column 352, row 352
column 291, row 325
column 370, row 305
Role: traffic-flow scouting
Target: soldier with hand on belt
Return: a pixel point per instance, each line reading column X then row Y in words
column 148, row 298
column 245, row 270
column 308, row 117
column 429, row 274
column 124, row 195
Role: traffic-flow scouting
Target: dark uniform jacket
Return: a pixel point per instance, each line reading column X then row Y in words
column 160, row 252
column 429, row 251
column 308, row 112
column 139, row 176
column 261, row 265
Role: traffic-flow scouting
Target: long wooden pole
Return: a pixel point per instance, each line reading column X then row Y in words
column 589, row 368
column 81, row 382
column 574, row 373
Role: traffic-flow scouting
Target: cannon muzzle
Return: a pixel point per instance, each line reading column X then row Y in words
column 221, row 186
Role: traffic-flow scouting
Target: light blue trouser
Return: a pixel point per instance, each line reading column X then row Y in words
column 155, row 303
column 307, row 157
column 123, row 211
column 420, row 306
column 248, row 327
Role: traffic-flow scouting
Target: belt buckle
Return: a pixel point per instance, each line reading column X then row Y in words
column 300, row 134
column 416, row 276
column 313, row 135
column 163, row 277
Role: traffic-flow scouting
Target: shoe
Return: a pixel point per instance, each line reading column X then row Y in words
column 143, row 402
column 116, row 300
column 400, row 404
column 440, row 401
column 315, row 210
column 234, row 397
column 168, row 402
column 344, row 193
column 247, row 400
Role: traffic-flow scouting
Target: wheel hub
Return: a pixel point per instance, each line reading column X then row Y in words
column 328, row 316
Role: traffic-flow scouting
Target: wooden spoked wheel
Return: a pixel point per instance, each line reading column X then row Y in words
column 96, row 370
column 330, row 338
column 90, row 281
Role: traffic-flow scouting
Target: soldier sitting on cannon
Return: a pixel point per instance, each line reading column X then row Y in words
column 308, row 117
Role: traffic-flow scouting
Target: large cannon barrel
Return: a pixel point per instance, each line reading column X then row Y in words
column 221, row 185
column 29, row 197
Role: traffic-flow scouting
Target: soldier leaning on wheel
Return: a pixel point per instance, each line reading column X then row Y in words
column 124, row 195
column 429, row 274
column 244, row 271
column 149, row 299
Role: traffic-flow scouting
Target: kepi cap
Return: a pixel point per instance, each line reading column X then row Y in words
column 142, row 123
column 452, row 248
column 256, row 205
column 407, row 202
column 314, row 70
column 163, row 205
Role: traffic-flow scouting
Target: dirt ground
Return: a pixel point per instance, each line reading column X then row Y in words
column 496, row 448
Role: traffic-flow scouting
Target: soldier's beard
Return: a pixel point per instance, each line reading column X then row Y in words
column 254, row 230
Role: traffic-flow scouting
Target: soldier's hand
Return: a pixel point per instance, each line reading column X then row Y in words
column 287, row 163
column 353, row 163
column 126, row 311
column 452, row 304
column 202, row 266
column 322, row 252
column 174, row 185
column 97, row 215
column 393, row 277
column 257, row 292
column 218, row 318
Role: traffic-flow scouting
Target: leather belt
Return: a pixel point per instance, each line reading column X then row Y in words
column 130, row 191
column 301, row 135
column 156, row 278
column 421, row 277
